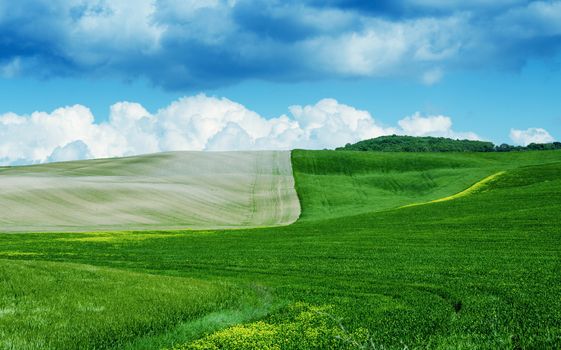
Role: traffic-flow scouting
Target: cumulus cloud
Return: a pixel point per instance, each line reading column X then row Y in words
column 438, row 125
column 72, row 151
column 531, row 135
column 195, row 123
column 328, row 124
column 185, row 44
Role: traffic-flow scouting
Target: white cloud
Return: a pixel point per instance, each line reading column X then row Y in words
column 103, row 31
column 195, row 123
column 328, row 124
column 386, row 48
column 34, row 137
column 72, row 151
column 531, row 135
column 439, row 125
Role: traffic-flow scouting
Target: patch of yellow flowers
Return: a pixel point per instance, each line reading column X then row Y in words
column 304, row 327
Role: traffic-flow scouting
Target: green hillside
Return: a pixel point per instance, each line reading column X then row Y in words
column 335, row 184
column 359, row 271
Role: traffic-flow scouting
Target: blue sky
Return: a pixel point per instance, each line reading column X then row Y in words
column 95, row 78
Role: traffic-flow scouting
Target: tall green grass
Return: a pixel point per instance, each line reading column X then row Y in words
column 46, row 305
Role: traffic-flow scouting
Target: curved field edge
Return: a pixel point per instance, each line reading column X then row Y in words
column 478, row 186
column 333, row 184
column 176, row 190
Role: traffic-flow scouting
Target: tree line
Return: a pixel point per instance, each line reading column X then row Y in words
column 397, row 143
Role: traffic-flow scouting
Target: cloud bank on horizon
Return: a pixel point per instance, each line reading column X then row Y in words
column 196, row 123
column 195, row 43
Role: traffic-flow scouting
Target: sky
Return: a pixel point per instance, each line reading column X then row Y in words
column 98, row 78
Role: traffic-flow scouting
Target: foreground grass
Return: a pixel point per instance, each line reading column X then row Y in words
column 479, row 271
column 63, row 306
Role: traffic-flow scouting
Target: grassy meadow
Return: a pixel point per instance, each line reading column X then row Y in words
column 360, row 270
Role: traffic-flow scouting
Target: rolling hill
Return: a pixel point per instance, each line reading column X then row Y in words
column 334, row 184
column 361, row 269
column 195, row 190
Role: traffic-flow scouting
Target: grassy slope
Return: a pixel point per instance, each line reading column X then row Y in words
column 335, row 184
column 162, row 191
column 477, row 271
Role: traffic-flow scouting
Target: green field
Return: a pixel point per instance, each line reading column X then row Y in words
column 360, row 269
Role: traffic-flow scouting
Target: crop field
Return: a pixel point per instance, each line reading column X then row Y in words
column 167, row 190
column 362, row 268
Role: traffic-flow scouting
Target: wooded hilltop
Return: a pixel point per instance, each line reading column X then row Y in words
column 397, row 143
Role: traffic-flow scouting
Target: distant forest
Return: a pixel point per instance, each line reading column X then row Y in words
column 395, row 143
